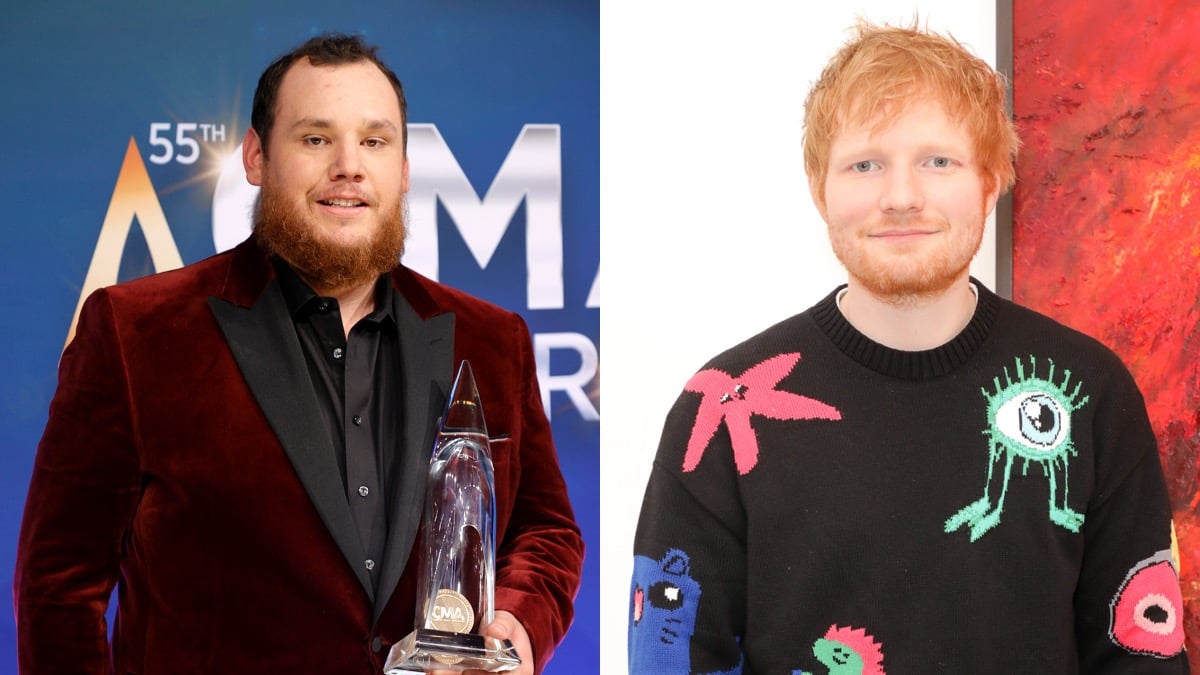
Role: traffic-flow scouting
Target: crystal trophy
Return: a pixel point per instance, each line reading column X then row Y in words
column 457, row 575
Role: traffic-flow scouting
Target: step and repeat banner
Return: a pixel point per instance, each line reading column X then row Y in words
column 124, row 122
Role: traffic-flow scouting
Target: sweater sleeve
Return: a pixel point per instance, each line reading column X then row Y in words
column 1128, row 604
column 687, row 596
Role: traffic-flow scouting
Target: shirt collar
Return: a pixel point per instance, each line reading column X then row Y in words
column 302, row 300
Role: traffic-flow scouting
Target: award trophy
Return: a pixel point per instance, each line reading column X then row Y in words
column 457, row 577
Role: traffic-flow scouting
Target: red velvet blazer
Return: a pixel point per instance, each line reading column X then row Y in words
column 183, row 462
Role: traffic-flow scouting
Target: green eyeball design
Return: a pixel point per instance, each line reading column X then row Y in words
column 1029, row 419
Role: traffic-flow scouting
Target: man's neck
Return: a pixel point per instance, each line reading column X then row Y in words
column 911, row 323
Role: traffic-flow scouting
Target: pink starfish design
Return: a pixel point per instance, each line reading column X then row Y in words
column 735, row 399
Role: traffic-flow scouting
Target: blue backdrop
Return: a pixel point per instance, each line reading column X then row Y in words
column 504, row 103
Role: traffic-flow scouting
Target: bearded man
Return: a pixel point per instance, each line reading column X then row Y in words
column 914, row 475
column 241, row 446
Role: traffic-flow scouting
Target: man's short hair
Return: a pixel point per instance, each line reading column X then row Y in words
column 882, row 70
column 329, row 49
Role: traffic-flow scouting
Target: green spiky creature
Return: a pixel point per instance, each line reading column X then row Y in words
column 1029, row 421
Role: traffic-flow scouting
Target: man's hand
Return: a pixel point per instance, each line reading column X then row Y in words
column 506, row 627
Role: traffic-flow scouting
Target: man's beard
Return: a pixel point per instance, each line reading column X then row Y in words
column 285, row 231
column 904, row 279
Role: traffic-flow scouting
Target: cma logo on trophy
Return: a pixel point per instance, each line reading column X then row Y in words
column 454, row 617
column 531, row 174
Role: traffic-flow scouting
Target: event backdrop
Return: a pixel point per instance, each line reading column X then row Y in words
column 123, row 124
column 1107, row 101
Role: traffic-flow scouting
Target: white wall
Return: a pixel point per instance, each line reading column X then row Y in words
column 708, row 232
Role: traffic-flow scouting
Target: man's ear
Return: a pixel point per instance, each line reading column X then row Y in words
column 252, row 157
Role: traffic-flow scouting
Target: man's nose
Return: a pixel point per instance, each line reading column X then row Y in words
column 902, row 191
column 347, row 163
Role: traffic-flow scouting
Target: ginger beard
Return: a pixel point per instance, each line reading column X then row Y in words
column 901, row 276
column 283, row 230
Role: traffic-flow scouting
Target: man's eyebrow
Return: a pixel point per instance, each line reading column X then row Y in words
column 930, row 148
column 312, row 122
column 379, row 124
column 320, row 123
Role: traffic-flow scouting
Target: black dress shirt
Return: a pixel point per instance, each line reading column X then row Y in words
column 356, row 381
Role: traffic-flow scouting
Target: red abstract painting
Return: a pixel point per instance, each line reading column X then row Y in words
column 1106, row 212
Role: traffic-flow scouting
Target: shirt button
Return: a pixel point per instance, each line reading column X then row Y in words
column 338, row 352
column 376, row 644
column 323, row 305
column 370, row 564
column 357, row 420
column 363, row 492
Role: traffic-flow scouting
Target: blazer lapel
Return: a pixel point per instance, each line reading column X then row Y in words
column 268, row 352
column 426, row 356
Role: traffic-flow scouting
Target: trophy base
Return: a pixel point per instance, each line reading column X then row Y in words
column 427, row 649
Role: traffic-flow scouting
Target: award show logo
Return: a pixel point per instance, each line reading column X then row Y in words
column 451, row 612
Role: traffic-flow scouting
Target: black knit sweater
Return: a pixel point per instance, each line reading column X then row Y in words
column 821, row 504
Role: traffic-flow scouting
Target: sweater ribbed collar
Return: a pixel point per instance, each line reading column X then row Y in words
column 918, row 365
